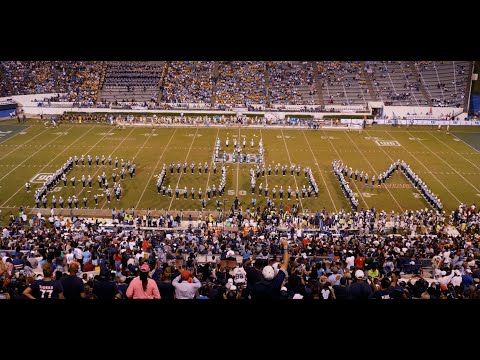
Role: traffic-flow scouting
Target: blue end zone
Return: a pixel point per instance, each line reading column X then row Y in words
column 7, row 131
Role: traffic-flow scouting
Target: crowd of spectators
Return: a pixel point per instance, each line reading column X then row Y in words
column 188, row 82
column 241, row 82
column 78, row 80
column 285, row 77
column 273, row 253
column 238, row 83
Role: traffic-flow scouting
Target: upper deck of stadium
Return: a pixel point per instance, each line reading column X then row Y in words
column 316, row 85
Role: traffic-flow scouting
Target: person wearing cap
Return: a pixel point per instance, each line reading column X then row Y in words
column 269, row 287
column 45, row 288
column 360, row 289
column 143, row 287
column 186, row 285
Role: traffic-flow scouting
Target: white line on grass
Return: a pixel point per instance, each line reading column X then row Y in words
column 211, row 163
column 476, row 151
column 238, row 162
column 393, row 197
column 428, row 170
column 138, row 152
column 153, row 171
column 354, row 182
column 19, row 146
column 60, row 153
column 181, row 173
column 320, row 171
column 100, row 167
column 426, row 147
column 266, row 171
column 11, row 137
column 455, row 151
column 290, row 161
column 35, row 153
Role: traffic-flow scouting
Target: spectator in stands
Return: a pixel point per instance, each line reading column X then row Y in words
column 104, row 288
column 270, row 286
column 360, row 289
column 185, row 285
column 143, row 287
column 73, row 286
column 45, row 287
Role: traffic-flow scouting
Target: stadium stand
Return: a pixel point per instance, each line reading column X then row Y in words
column 412, row 255
column 241, row 83
column 188, row 82
column 348, row 84
column 137, row 81
column 79, row 81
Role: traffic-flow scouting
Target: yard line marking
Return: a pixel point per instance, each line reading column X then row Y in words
column 153, row 171
column 11, row 137
column 290, row 161
column 181, row 173
column 476, row 151
column 35, row 153
column 100, row 167
column 19, row 146
column 21, row 187
column 266, row 171
column 320, row 171
column 238, row 162
column 393, row 197
column 211, row 163
column 428, row 170
column 354, row 182
column 448, row 165
column 455, row 151
column 138, row 152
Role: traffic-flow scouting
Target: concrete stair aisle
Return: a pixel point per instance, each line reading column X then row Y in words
column 368, row 81
column 267, row 83
column 102, row 80
column 216, row 68
column 421, row 87
column 467, row 89
column 160, row 81
column 318, row 84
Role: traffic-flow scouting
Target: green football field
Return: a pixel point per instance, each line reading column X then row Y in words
column 448, row 163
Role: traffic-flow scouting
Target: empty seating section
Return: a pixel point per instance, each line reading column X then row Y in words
column 79, row 80
column 241, row 83
column 132, row 81
column 188, row 82
column 445, row 81
column 291, row 82
column 395, row 83
column 342, row 83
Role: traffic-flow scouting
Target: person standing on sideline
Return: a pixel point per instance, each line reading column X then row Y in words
column 142, row 287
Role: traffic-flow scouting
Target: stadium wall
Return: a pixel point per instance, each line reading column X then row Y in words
column 439, row 112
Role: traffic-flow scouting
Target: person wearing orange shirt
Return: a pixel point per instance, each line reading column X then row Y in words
column 359, row 261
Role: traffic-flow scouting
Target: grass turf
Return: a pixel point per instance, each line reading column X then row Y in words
column 449, row 166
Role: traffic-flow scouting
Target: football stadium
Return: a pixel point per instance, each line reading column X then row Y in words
column 239, row 179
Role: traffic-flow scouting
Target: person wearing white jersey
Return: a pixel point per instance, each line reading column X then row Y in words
column 239, row 276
